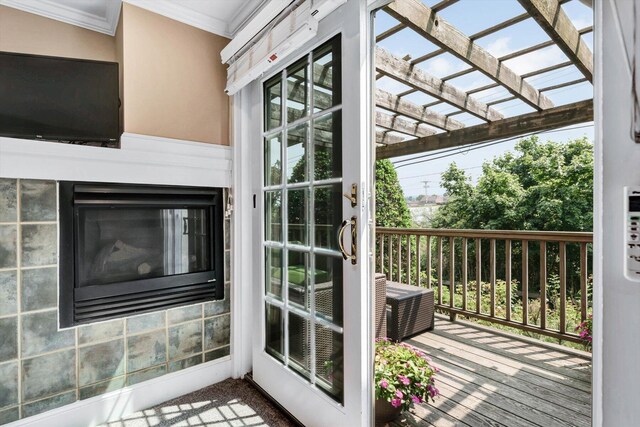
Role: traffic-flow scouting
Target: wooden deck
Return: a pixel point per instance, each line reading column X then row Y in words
column 489, row 378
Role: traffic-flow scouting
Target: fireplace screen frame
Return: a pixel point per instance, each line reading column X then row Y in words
column 93, row 303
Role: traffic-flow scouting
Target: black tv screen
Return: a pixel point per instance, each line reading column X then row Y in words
column 60, row 99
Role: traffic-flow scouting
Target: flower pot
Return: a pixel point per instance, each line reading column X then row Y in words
column 385, row 412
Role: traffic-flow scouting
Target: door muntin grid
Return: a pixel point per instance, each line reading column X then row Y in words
column 302, row 183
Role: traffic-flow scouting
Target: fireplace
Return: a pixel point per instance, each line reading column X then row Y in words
column 129, row 249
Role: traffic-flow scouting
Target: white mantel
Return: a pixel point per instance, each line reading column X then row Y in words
column 142, row 159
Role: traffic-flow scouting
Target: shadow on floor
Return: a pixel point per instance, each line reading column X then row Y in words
column 226, row 404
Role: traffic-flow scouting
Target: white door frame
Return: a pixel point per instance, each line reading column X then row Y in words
column 246, row 232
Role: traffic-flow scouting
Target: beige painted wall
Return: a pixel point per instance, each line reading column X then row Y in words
column 173, row 79
column 28, row 33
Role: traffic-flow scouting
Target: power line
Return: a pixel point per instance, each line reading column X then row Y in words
column 478, row 147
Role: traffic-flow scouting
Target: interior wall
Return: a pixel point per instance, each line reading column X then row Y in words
column 173, row 79
column 28, row 33
column 616, row 372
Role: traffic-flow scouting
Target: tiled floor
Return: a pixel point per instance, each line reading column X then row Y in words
column 230, row 403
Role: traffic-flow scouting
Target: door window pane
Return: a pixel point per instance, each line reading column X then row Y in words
column 299, row 345
column 297, row 102
column 299, row 280
column 328, row 288
column 274, row 328
column 274, row 270
column 329, row 362
column 273, row 108
column 297, row 208
column 327, row 215
column 327, row 147
column 322, row 83
column 273, row 160
column 297, row 154
column 273, row 216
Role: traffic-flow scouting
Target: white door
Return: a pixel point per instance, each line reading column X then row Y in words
column 313, row 339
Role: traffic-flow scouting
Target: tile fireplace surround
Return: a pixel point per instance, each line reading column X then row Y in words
column 42, row 367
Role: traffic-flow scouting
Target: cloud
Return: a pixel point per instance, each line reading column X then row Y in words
column 500, row 46
column 529, row 62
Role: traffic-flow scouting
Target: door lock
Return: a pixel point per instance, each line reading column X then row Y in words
column 353, row 197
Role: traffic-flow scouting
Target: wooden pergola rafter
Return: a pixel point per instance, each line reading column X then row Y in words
column 429, row 130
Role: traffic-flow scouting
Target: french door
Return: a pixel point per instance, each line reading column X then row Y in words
column 312, row 339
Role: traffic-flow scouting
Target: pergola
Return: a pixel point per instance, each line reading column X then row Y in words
column 405, row 127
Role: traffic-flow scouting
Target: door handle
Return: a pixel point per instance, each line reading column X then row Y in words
column 353, row 256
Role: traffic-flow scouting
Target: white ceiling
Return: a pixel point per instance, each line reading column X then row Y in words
column 222, row 17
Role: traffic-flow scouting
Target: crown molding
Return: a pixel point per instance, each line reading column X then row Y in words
column 174, row 10
column 52, row 10
column 244, row 13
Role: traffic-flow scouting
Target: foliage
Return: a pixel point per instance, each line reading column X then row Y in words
column 542, row 186
column 585, row 330
column 404, row 375
column 391, row 206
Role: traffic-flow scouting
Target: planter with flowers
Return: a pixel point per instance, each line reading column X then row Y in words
column 584, row 330
column 404, row 376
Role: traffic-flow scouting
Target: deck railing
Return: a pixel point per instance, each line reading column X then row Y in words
column 534, row 281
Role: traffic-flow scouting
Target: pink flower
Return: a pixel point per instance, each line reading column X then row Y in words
column 384, row 383
column 396, row 403
column 419, row 385
column 416, row 399
column 399, row 394
column 433, row 392
column 404, row 380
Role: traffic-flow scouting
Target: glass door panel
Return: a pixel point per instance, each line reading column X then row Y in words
column 304, row 266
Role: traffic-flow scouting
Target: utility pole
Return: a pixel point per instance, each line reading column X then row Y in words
column 426, row 191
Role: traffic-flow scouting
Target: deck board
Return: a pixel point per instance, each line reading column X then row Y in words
column 497, row 379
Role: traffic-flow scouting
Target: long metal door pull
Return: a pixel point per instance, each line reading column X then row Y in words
column 353, row 256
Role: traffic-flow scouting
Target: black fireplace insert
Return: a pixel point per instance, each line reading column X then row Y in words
column 129, row 249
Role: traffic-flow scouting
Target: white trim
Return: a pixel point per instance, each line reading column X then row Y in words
column 142, row 159
column 597, row 378
column 53, row 10
column 120, row 403
column 175, row 11
column 244, row 13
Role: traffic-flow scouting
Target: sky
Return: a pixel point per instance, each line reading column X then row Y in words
column 471, row 16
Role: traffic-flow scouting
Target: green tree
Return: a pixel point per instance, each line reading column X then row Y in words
column 391, row 206
column 545, row 186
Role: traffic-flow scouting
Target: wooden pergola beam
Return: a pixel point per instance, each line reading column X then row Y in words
column 537, row 121
column 420, row 18
column 555, row 22
column 393, row 103
column 388, row 139
column 398, row 124
column 403, row 72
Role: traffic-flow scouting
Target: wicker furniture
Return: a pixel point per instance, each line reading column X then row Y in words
column 411, row 312
column 381, row 305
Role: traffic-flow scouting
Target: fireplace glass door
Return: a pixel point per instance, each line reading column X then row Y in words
column 121, row 245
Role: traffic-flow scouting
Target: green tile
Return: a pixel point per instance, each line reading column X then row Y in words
column 185, row 339
column 146, row 350
column 44, row 405
column 102, row 387
column 146, row 322
column 38, row 200
column 184, row 314
column 217, row 331
column 8, row 384
column 8, row 338
column 40, row 333
column 217, row 354
column 101, row 361
column 8, row 292
column 48, row 374
column 100, row 331
column 8, row 246
column 145, row 375
column 39, row 288
column 39, row 244
column 8, row 200
column 185, row 363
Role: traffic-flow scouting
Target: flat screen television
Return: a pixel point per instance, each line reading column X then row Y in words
column 59, row 99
